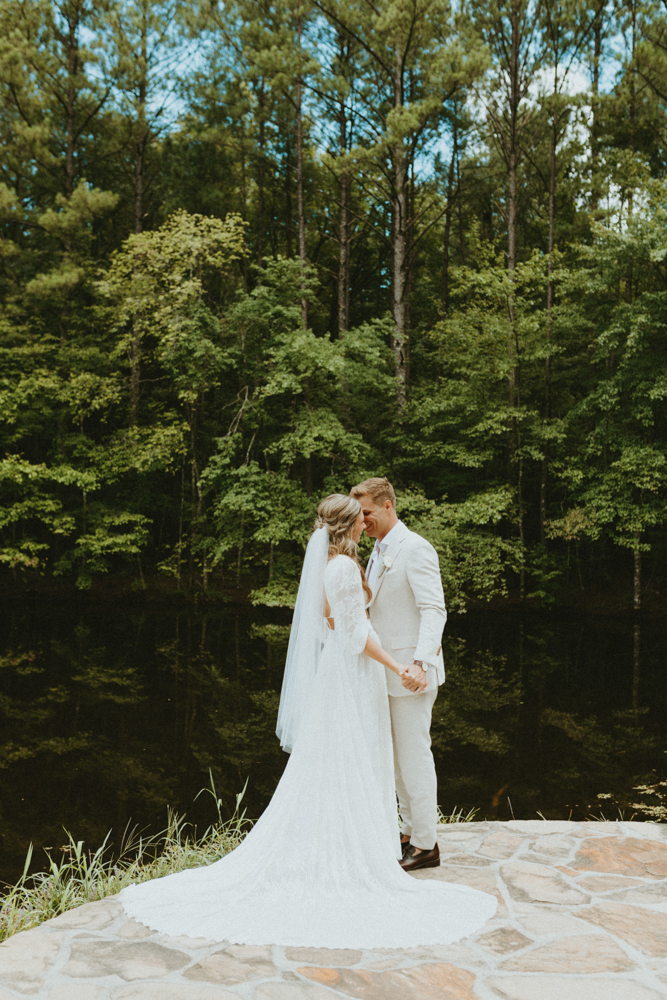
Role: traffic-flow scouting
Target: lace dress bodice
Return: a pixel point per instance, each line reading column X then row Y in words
column 345, row 594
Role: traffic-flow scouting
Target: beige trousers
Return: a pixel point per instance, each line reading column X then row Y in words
column 416, row 781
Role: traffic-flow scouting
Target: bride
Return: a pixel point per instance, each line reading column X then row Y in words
column 319, row 868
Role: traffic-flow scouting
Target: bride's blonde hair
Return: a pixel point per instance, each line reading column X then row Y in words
column 337, row 513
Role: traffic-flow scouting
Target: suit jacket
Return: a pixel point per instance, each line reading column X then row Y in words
column 407, row 609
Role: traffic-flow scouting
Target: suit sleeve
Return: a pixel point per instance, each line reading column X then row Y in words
column 423, row 572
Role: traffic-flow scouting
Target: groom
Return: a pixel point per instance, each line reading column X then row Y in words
column 407, row 611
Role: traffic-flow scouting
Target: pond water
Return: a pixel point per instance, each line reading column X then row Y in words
column 113, row 711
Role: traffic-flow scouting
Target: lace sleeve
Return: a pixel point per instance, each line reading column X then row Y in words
column 346, row 600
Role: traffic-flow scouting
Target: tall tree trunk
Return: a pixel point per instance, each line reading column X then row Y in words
column 73, row 20
column 135, row 374
column 142, row 130
column 239, row 554
column 410, row 253
column 444, row 297
column 244, row 200
column 462, row 240
column 636, row 663
column 299, row 183
column 595, row 88
column 637, row 604
column 633, row 107
column 550, row 299
column 343, row 226
column 194, row 480
column 260, row 178
column 512, row 164
column 139, row 165
column 399, row 246
column 288, row 197
column 398, row 273
column 139, row 189
column 344, row 255
column 180, row 528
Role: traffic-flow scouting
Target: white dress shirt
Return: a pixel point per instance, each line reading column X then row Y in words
column 375, row 561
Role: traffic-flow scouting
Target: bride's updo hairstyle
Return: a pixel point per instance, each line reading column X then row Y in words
column 337, row 513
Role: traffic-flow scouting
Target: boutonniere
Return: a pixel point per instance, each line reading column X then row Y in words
column 387, row 560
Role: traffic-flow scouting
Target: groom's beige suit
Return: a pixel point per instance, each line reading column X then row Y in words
column 407, row 610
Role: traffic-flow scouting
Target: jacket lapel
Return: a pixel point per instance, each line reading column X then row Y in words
column 392, row 552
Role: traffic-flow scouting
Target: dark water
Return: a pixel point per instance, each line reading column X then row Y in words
column 113, row 711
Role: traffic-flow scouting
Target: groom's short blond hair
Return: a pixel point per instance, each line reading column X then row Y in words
column 378, row 488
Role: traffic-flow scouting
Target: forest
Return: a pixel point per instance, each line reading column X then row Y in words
column 254, row 252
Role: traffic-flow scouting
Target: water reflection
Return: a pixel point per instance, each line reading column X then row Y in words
column 114, row 711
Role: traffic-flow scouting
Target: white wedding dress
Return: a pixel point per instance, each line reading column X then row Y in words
column 319, row 868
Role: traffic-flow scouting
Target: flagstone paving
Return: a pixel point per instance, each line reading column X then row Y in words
column 582, row 915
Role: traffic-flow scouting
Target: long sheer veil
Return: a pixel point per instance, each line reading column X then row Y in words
column 306, row 639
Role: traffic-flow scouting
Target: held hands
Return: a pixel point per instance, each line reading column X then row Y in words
column 414, row 678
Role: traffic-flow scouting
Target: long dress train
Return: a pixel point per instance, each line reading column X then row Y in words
column 319, row 868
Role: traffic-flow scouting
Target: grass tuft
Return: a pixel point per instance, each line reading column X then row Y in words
column 457, row 816
column 82, row 876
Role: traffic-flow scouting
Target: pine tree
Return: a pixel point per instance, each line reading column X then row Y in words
column 404, row 84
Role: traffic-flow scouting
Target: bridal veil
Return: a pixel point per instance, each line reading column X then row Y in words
column 306, row 640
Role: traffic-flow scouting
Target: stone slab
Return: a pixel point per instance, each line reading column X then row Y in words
column 649, row 894
column 75, row 991
column 459, row 954
column 588, row 953
column 644, row 929
column 536, row 827
column 625, row 855
column 421, row 982
column 501, row 845
column 323, row 956
column 555, row 845
column 128, row 959
column 545, row 923
column 26, row 958
column 90, row 916
column 135, row 931
column 223, row 968
column 290, row 991
column 503, row 940
column 170, row 991
column 533, row 883
column 570, row 988
column 606, row 883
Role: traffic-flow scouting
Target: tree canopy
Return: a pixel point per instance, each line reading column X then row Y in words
column 252, row 253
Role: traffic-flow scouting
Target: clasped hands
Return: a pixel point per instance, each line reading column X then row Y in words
column 414, row 678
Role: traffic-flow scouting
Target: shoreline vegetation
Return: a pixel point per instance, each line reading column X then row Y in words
column 84, row 876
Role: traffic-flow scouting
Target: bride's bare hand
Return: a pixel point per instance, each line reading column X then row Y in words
column 408, row 681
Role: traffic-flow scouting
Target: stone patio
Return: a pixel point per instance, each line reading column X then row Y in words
column 582, row 915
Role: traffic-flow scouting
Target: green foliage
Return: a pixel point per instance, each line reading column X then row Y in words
column 473, row 558
column 218, row 308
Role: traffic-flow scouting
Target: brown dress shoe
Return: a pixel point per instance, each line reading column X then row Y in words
column 412, row 862
column 405, row 847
